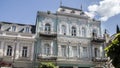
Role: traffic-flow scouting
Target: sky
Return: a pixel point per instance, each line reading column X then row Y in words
column 24, row 11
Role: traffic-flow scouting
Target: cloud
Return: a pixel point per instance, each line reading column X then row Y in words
column 105, row 9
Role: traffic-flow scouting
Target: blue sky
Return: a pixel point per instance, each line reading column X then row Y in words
column 24, row 11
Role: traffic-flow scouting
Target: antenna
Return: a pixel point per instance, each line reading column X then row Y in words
column 60, row 2
column 81, row 7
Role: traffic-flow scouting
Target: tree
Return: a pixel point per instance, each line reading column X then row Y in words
column 113, row 50
column 46, row 65
column 117, row 29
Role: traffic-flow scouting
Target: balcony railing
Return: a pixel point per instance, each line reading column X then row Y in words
column 99, row 59
column 48, row 33
column 47, row 57
column 98, row 39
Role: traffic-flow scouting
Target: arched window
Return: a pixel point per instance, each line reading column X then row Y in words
column 63, row 29
column 73, row 31
column 47, row 27
column 83, row 32
column 46, row 49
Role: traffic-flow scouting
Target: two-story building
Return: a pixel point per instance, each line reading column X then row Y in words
column 69, row 38
column 16, row 44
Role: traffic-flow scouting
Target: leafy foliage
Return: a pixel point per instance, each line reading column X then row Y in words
column 46, row 65
column 113, row 50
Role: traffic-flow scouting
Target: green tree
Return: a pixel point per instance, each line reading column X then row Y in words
column 46, row 65
column 113, row 50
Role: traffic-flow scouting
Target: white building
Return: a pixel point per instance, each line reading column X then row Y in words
column 69, row 38
column 17, row 44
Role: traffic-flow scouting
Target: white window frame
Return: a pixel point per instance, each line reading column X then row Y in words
column 9, row 50
column 74, row 51
column 24, row 51
column 63, row 27
column 85, row 55
column 13, row 28
column 27, row 29
column 47, row 49
column 63, row 50
column 47, row 27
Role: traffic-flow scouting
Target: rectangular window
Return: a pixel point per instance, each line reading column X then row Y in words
column 85, row 52
column 9, row 50
column 13, row 28
column 74, row 51
column 96, row 52
column 27, row 29
column 24, row 52
column 63, row 50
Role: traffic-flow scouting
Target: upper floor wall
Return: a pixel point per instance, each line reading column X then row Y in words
column 70, row 23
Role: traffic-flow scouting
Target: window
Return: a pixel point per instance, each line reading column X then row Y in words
column 84, row 52
column 13, row 28
column 74, row 51
column 96, row 52
column 47, row 49
column 63, row 30
column 83, row 32
column 47, row 27
column 27, row 29
column 9, row 50
column 63, row 51
column 24, row 51
column 73, row 31
column 94, row 32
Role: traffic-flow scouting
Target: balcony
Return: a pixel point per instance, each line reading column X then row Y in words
column 48, row 33
column 99, row 59
column 98, row 40
column 47, row 58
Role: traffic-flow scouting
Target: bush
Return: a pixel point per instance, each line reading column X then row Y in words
column 46, row 65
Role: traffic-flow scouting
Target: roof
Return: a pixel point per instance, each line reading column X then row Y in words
column 70, row 8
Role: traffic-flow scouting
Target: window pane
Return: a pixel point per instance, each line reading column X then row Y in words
column 9, row 50
column 24, row 52
column 47, row 27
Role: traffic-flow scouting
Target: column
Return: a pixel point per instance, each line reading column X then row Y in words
column 17, row 50
column 32, row 51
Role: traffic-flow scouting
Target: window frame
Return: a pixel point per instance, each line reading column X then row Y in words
column 24, row 51
column 74, row 31
column 9, row 50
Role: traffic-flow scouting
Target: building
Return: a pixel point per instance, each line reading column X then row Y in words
column 69, row 38
column 16, row 44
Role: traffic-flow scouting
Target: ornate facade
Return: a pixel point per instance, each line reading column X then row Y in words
column 69, row 38
column 16, row 44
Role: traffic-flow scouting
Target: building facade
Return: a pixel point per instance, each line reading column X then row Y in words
column 69, row 38
column 16, row 44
